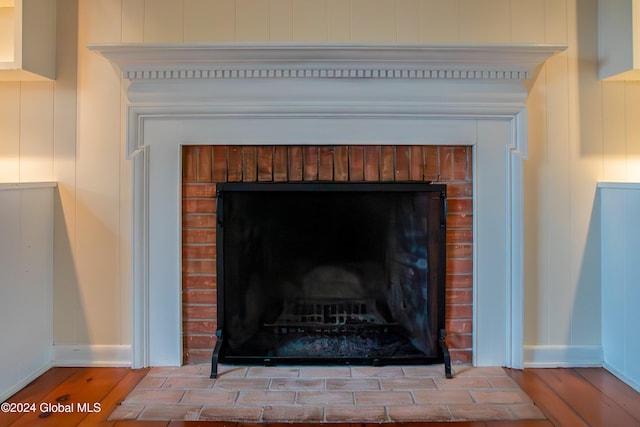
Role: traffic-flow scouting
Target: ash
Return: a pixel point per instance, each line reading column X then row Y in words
column 342, row 346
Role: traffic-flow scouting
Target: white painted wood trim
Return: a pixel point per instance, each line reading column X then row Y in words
column 326, row 60
column 92, row 355
column 26, row 185
column 563, row 356
column 518, row 153
column 620, row 185
column 271, row 94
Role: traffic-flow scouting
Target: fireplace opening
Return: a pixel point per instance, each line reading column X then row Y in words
column 332, row 273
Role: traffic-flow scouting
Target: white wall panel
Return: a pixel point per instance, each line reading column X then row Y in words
column 536, row 215
column 556, row 21
column 621, row 131
column 308, row 22
column 252, row 20
column 486, row 21
column 408, row 21
column 527, row 21
column 124, row 262
column 36, row 131
column 100, row 20
column 620, row 272
column 164, row 21
column 281, row 20
column 26, row 283
column 632, row 103
column 440, row 21
column 133, row 21
column 10, row 206
column 224, row 20
column 614, row 131
column 10, row 131
column 97, row 244
column 64, row 162
column 339, row 20
column 199, row 18
column 585, row 164
column 373, row 20
column 558, row 289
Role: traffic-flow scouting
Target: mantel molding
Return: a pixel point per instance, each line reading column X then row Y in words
column 344, row 61
column 326, row 94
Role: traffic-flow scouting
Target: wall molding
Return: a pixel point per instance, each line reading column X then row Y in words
column 563, row 356
column 92, row 355
column 326, row 73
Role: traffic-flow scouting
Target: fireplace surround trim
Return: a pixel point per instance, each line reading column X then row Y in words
column 433, row 95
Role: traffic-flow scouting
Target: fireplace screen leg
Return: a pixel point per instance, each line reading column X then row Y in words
column 445, row 351
column 216, row 353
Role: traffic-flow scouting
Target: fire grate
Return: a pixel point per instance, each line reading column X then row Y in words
column 327, row 315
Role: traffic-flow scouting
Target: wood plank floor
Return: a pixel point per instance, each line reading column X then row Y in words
column 568, row 397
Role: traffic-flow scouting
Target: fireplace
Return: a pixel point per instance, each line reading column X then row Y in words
column 326, row 95
column 330, row 272
column 204, row 168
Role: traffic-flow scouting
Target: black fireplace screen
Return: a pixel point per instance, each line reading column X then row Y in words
column 330, row 273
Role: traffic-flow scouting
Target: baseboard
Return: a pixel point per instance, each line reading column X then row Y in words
column 633, row 383
column 5, row 394
column 92, row 355
column 563, row 356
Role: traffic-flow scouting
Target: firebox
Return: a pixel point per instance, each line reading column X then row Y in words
column 331, row 273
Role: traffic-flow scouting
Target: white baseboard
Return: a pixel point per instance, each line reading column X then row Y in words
column 563, row 356
column 633, row 383
column 92, row 355
column 5, row 394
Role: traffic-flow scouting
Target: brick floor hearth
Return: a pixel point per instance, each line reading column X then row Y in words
column 327, row 394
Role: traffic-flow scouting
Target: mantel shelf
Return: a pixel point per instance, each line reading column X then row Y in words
column 296, row 60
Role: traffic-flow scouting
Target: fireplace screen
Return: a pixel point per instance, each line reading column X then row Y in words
column 332, row 273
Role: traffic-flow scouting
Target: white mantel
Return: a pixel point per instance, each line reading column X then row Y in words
column 327, row 94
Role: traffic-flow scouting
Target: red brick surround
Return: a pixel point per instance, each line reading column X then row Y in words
column 203, row 166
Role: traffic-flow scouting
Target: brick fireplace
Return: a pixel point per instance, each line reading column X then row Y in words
column 203, row 166
column 459, row 104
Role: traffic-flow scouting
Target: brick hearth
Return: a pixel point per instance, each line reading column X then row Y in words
column 327, row 394
column 203, row 166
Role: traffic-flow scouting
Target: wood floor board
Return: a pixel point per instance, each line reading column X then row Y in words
column 36, row 390
column 545, row 398
column 87, row 385
column 611, row 386
column 586, row 400
column 113, row 399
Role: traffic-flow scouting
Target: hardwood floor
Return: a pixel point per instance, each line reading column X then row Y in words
column 568, row 397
